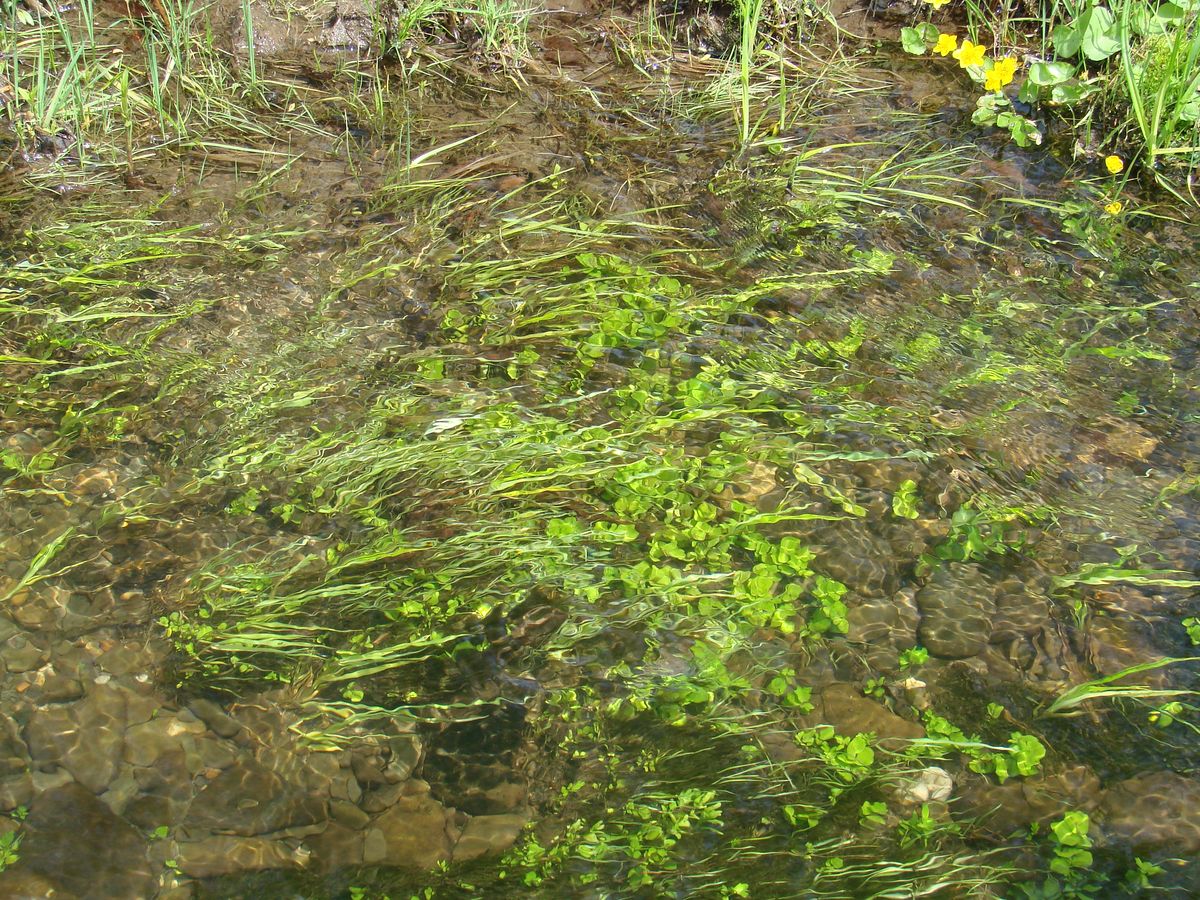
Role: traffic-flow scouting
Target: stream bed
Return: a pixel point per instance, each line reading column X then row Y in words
column 529, row 485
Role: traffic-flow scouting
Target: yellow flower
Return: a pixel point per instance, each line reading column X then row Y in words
column 1114, row 164
column 1000, row 74
column 969, row 54
column 1116, row 206
column 945, row 44
column 937, row 4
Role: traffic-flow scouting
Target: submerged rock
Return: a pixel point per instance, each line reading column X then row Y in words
column 1156, row 812
column 857, row 558
column 487, row 835
column 412, row 833
column 75, row 843
column 957, row 608
column 844, row 707
column 1022, row 610
column 338, row 846
column 1001, row 809
column 85, row 738
column 249, row 799
column 224, row 854
column 933, row 783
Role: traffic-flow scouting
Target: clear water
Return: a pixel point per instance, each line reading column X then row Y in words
column 577, row 476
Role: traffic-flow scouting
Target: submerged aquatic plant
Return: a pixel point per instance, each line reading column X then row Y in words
column 1071, row 701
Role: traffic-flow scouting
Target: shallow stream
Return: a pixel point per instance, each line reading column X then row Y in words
column 529, row 487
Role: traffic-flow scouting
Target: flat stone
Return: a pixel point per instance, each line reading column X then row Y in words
column 49, row 781
column 1001, row 810
column 340, row 847
column 488, row 835
column 374, row 846
column 126, row 659
column 146, row 742
column 209, row 753
column 344, row 786
column 150, row 811
column 60, row 688
column 20, row 654
column 120, row 792
column 85, row 738
column 17, row 883
column 845, row 708
column 347, row 814
column 381, row 798
column 16, row 790
column 52, row 849
column 14, row 754
column 225, row 854
column 1021, row 611
column 957, row 609
column 1157, row 812
column 850, row 553
column 413, row 834
column 249, row 799
column 219, row 721
column 368, row 769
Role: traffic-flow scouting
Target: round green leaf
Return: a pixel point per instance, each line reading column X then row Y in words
column 1101, row 37
column 912, row 42
column 1068, row 38
column 1044, row 74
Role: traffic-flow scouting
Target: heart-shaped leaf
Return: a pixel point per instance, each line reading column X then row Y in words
column 917, row 40
column 1044, row 74
column 1069, row 38
column 1101, row 37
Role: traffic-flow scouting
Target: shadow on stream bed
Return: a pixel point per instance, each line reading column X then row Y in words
column 455, row 479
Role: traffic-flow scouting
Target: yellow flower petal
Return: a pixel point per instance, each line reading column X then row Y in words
column 1115, row 207
column 946, row 43
column 937, row 4
column 970, row 54
column 1000, row 74
column 1114, row 164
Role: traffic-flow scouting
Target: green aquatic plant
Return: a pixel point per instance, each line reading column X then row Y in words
column 10, row 846
column 1022, row 757
column 904, row 500
column 921, row 828
column 1071, row 862
column 1071, row 701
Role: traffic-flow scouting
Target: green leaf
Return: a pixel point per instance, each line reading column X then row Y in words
column 1101, row 37
column 910, row 40
column 1067, row 94
column 917, row 40
column 1044, row 74
column 904, row 501
column 1068, row 38
column 984, row 116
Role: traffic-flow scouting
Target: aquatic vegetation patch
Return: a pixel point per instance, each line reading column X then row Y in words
column 733, row 536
